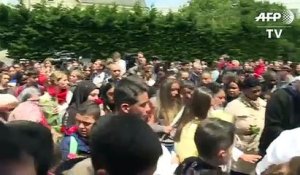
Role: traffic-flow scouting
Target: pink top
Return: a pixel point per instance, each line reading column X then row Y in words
column 28, row 110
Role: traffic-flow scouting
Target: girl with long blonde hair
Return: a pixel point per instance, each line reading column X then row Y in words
column 169, row 105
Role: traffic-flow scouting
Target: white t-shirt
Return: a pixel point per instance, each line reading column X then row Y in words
column 282, row 150
column 99, row 79
column 164, row 163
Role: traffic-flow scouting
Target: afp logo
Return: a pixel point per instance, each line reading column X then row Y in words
column 287, row 17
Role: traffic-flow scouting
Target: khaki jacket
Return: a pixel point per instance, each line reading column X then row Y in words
column 246, row 116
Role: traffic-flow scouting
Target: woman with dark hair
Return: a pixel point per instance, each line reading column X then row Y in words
column 192, row 114
column 187, row 90
column 231, row 87
column 218, row 95
column 107, row 94
column 85, row 90
column 249, row 116
column 87, row 72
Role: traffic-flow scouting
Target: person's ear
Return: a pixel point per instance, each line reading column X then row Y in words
column 125, row 108
column 101, row 172
column 222, row 154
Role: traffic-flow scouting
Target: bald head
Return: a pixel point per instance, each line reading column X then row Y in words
column 197, row 68
column 206, row 78
column 115, row 70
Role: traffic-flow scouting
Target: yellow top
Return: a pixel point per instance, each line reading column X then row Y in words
column 222, row 115
column 186, row 147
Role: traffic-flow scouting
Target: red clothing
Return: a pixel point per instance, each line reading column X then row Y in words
column 221, row 65
column 60, row 95
column 69, row 131
column 42, row 79
column 99, row 101
column 260, row 69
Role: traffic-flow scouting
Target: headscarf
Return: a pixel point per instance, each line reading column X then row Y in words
column 80, row 95
column 82, row 91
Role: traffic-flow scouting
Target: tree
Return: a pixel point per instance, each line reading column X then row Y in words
column 203, row 29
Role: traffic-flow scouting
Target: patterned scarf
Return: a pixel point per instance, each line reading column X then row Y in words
column 250, row 103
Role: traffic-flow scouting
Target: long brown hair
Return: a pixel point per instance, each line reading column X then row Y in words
column 196, row 109
column 167, row 106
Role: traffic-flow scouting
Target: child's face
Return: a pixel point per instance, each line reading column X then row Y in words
column 85, row 124
column 32, row 79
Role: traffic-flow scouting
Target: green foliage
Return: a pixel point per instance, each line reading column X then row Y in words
column 203, row 29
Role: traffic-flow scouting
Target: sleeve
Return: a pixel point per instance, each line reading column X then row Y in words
column 164, row 163
column 230, row 109
column 236, row 154
column 273, row 120
column 123, row 67
column 157, row 128
column 65, row 147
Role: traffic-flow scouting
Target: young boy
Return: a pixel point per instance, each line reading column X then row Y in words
column 123, row 144
column 76, row 144
column 31, row 78
column 214, row 141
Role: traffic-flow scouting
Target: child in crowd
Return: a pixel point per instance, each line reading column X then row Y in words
column 214, row 139
column 123, row 144
column 75, row 144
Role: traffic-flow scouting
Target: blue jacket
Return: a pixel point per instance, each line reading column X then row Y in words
column 82, row 149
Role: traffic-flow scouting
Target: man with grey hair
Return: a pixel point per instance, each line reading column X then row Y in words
column 29, row 93
column 29, row 108
column 117, row 60
column 196, row 74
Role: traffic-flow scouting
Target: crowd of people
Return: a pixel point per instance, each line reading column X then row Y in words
column 154, row 118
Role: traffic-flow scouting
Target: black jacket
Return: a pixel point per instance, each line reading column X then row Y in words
column 196, row 166
column 282, row 113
